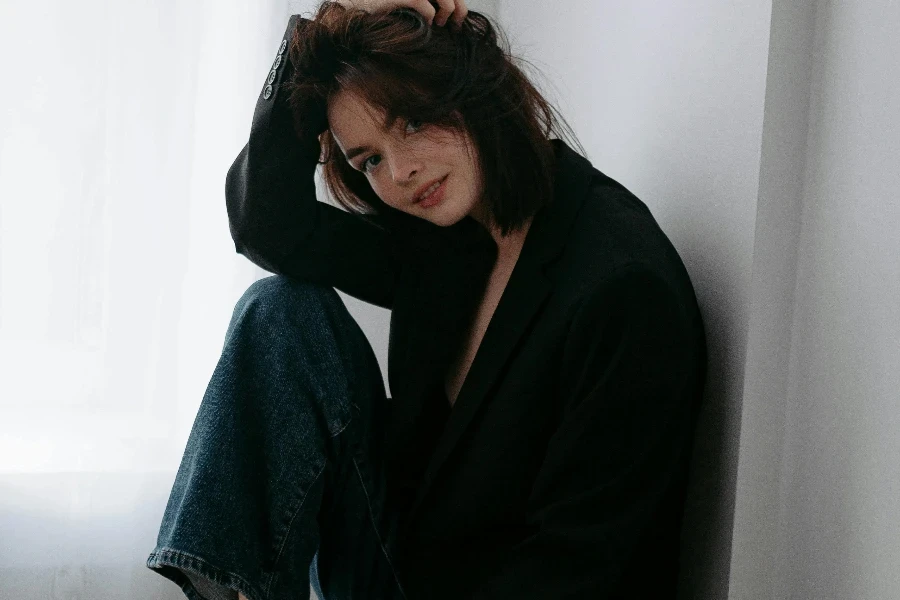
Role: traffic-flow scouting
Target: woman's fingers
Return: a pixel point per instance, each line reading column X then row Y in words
column 445, row 9
column 451, row 9
column 436, row 12
column 424, row 8
column 459, row 13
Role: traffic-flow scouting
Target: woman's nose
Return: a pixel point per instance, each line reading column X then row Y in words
column 404, row 168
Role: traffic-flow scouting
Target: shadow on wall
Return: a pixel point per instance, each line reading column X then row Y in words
column 706, row 536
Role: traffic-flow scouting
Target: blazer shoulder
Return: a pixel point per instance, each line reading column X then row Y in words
column 615, row 234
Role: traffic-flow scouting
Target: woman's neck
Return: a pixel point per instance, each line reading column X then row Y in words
column 509, row 246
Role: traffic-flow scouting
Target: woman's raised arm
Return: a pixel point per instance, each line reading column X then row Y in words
column 274, row 216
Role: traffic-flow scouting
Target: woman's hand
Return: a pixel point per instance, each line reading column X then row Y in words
column 447, row 9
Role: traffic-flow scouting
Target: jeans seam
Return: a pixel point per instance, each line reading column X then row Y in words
column 341, row 430
column 375, row 527
column 290, row 524
column 170, row 557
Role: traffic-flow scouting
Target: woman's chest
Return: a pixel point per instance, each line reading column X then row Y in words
column 465, row 356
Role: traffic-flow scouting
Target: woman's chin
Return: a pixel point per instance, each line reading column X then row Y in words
column 443, row 215
column 445, row 219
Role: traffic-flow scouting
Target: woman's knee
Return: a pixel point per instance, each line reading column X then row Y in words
column 278, row 303
column 280, row 294
column 309, row 319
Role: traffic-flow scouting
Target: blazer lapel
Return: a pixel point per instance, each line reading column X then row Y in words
column 429, row 320
column 527, row 289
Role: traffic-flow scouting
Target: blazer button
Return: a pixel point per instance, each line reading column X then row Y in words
column 283, row 46
column 268, row 92
column 272, row 75
column 277, row 62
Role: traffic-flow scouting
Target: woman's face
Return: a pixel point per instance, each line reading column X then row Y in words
column 408, row 158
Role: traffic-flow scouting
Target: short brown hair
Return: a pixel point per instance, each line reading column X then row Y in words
column 463, row 79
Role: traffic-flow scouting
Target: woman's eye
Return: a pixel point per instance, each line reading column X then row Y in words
column 365, row 163
column 414, row 124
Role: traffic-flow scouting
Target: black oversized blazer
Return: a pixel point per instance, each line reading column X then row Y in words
column 561, row 470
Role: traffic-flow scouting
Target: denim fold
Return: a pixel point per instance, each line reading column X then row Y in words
column 282, row 487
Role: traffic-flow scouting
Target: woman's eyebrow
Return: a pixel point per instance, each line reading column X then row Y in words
column 354, row 152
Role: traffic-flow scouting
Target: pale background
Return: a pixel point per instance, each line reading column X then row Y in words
column 763, row 135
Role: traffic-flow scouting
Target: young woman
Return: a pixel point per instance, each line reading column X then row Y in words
column 546, row 357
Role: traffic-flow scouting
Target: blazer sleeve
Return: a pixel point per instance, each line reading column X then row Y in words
column 274, row 216
column 623, row 438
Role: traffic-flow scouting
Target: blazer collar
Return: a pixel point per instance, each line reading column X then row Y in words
column 526, row 290
column 552, row 224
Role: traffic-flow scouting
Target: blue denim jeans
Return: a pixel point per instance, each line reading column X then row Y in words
column 281, row 485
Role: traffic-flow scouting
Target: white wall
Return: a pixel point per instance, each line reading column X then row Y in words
column 667, row 98
column 819, row 480
column 757, row 525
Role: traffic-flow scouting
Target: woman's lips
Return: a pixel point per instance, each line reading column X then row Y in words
column 435, row 197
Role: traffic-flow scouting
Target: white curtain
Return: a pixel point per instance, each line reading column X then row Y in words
column 118, row 121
